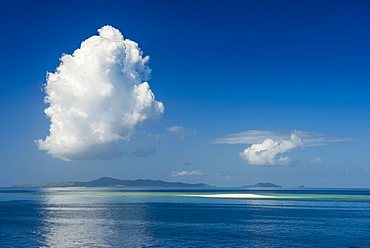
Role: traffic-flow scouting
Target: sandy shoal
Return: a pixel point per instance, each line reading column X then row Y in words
column 234, row 196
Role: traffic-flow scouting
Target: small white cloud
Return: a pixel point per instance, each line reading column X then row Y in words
column 187, row 173
column 176, row 129
column 366, row 169
column 265, row 153
column 97, row 96
column 316, row 161
column 180, row 132
column 344, row 170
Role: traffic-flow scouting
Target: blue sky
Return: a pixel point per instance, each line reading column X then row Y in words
column 253, row 91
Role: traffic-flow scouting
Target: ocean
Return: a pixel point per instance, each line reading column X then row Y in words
column 184, row 217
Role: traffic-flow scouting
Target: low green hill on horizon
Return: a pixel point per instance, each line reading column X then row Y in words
column 113, row 182
column 263, row 185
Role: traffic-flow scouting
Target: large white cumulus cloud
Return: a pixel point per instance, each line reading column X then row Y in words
column 97, row 96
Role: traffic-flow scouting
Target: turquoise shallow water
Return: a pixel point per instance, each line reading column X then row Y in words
column 137, row 217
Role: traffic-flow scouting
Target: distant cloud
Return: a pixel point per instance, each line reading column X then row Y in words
column 187, row 173
column 96, row 97
column 180, row 132
column 366, row 169
column 257, row 136
column 316, row 161
column 176, row 129
column 265, row 153
column 187, row 163
column 266, row 145
column 145, row 151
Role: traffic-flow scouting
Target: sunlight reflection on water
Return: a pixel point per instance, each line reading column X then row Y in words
column 85, row 221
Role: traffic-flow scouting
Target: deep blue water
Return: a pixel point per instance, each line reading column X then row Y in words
column 124, row 217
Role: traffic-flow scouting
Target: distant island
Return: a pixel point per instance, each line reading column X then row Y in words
column 262, row 185
column 113, row 182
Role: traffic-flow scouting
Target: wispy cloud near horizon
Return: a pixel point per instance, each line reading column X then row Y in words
column 309, row 138
column 266, row 145
column 187, row 173
column 180, row 132
column 316, row 161
column 97, row 96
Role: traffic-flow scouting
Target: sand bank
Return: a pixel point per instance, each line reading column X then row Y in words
column 234, row 196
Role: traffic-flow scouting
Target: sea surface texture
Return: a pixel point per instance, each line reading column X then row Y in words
column 134, row 217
